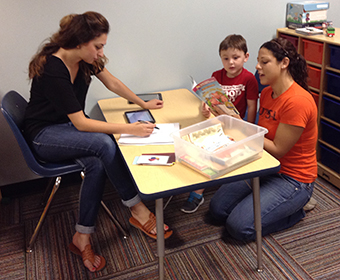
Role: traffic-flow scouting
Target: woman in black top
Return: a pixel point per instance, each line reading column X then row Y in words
column 58, row 129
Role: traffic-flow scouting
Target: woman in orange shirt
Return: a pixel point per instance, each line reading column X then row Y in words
column 288, row 111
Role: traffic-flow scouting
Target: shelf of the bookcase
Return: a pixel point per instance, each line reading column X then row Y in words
column 329, row 175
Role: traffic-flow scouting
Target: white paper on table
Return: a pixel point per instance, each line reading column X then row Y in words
column 152, row 160
column 161, row 136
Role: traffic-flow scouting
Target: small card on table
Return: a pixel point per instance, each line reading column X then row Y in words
column 155, row 159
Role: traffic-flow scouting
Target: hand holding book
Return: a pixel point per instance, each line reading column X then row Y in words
column 211, row 92
column 220, row 110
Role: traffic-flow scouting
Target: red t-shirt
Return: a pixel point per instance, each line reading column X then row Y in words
column 239, row 89
column 295, row 107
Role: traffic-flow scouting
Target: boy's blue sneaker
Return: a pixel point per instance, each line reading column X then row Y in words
column 194, row 201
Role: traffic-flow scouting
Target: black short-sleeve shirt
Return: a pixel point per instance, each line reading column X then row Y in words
column 53, row 97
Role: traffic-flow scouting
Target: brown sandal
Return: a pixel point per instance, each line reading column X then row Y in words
column 88, row 254
column 149, row 226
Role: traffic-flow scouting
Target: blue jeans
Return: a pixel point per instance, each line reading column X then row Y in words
column 100, row 157
column 282, row 200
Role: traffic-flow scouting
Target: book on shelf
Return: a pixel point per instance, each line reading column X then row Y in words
column 309, row 31
column 211, row 92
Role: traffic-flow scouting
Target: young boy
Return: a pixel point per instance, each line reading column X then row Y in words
column 241, row 87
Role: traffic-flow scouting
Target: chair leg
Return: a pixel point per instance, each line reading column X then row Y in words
column 166, row 204
column 114, row 220
column 48, row 191
column 43, row 215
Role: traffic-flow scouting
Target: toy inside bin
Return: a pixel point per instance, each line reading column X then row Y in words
column 246, row 147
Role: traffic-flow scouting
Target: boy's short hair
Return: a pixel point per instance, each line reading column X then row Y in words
column 234, row 41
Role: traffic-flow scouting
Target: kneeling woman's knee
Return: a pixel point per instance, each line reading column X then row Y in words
column 215, row 209
column 240, row 229
column 219, row 205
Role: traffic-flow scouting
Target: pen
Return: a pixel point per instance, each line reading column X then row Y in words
column 141, row 121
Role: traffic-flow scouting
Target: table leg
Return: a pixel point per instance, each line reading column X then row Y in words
column 257, row 217
column 160, row 237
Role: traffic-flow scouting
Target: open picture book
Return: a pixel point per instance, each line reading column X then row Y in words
column 211, row 138
column 211, row 92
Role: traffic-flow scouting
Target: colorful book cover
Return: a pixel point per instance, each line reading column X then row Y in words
column 211, row 92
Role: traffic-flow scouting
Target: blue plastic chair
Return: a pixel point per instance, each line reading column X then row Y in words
column 13, row 107
column 261, row 87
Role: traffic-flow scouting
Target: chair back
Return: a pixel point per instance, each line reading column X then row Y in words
column 13, row 107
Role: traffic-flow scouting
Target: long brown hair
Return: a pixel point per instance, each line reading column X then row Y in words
column 297, row 67
column 75, row 29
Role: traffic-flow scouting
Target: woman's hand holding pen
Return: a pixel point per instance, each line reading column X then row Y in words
column 142, row 128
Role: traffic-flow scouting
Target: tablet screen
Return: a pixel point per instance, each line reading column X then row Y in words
column 139, row 115
column 148, row 96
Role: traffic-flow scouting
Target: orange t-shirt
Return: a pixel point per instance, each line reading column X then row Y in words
column 295, row 107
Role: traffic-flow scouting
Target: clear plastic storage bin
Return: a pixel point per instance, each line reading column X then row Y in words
column 248, row 146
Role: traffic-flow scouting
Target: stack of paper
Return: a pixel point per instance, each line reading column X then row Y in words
column 309, row 31
column 161, row 136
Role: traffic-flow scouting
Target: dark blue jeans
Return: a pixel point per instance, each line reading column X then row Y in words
column 100, row 157
column 282, row 200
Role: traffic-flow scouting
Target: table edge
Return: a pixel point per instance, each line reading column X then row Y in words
column 210, row 183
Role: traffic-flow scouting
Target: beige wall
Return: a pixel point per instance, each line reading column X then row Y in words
column 153, row 45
